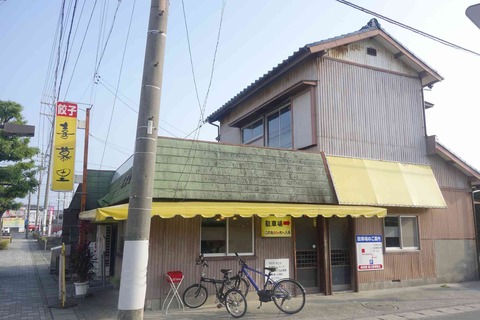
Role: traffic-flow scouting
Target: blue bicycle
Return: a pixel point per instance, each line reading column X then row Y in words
column 287, row 294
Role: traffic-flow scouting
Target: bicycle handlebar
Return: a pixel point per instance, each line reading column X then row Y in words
column 240, row 259
column 201, row 260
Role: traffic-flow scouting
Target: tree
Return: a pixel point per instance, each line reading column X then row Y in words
column 17, row 168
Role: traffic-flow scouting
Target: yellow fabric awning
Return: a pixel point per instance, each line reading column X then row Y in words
column 230, row 209
column 382, row 183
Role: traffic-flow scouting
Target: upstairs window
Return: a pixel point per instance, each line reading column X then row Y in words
column 279, row 128
column 252, row 132
column 401, row 232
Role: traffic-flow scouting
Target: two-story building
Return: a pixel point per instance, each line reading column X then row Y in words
column 323, row 166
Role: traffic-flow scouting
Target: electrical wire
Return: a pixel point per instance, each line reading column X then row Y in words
column 67, row 47
column 108, row 37
column 193, row 149
column 444, row 42
column 119, row 76
column 81, row 45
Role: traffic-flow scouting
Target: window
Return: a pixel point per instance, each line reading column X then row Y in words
column 279, row 128
column 401, row 232
column 223, row 236
column 253, row 131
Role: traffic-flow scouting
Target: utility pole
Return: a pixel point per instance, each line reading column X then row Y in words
column 27, row 220
column 38, row 193
column 47, row 185
column 83, row 198
column 131, row 300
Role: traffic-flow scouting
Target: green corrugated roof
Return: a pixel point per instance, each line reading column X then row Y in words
column 98, row 183
column 193, row 170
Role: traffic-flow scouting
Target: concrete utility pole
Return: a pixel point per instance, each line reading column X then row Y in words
column 131, row 300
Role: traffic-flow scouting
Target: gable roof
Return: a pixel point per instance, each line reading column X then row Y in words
column 372, row 30
column 435, row 147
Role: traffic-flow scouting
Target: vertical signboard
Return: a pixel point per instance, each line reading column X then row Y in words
column 63, row 173
column 276, row 227
column 369, row 252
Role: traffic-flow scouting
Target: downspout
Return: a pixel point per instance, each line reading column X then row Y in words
column 475, row 221
column 218, row 130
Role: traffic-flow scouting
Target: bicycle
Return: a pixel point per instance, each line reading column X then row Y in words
column 227, row 295
column 287, row 294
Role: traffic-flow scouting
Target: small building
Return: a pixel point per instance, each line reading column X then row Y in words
column 323, row 164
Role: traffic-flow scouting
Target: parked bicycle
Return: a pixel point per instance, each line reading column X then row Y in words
column 226, row 294
column 287, row 294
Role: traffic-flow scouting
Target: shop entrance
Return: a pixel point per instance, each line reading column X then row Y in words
column 306, row 253
column 340, row 253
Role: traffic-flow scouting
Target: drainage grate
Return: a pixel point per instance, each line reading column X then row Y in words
column 380, row 306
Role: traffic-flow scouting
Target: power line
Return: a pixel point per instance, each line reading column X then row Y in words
column 83, row 42
column 444, row 42
column 202, row 108
column 67, row 46
column 119, row 75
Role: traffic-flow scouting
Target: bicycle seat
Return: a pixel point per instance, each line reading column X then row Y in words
column 226, row 271
column 271, row 269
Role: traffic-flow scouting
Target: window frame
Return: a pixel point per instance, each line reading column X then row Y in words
column 227, row 240
column 249, row 126
column 400, row 230
column 266, row 125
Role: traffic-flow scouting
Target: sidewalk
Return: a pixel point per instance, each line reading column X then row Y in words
column 27, row 289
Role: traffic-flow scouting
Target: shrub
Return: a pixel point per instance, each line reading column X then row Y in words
column 4, row 244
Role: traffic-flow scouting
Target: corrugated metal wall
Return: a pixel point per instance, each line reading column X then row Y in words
column 455, row 222
column 384, row 59
column 369, row 114
column 305, row 71
column 447, row 175
column 175, row 244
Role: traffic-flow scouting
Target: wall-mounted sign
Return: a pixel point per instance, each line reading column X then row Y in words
column 283, row 268
column 63, row 174
column 369, row 252
column 277, row 227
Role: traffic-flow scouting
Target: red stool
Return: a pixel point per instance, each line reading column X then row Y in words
column 174, row 278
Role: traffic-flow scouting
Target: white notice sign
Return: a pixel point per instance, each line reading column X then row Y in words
column 282, row 265
column 369, row 252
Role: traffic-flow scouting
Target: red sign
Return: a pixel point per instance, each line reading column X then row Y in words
column 67, row 109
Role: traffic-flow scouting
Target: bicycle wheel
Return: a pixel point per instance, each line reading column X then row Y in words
column 235, row 303
column 289, row 296
column 195, row 296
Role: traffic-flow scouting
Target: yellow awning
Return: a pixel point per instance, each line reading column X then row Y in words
column 382, row 183
column 230, row 209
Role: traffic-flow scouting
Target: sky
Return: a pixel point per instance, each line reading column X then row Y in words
column 255, row 36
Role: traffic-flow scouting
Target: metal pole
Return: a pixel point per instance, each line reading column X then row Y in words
column 27, row 221
column 83, row 199
column 47, row 185
column 131, row 300
column 38, row 194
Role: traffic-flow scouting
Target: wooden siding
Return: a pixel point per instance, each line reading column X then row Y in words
column 212, row 171
column 369, row 114
column 455, row 222
column 398, row 265
column 356, row 52
column 447, row 175
column 175, row 244
column 302, row 72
